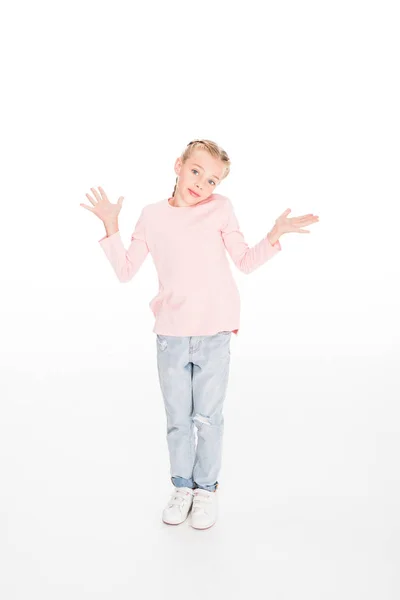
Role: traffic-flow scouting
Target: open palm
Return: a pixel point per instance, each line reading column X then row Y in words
column 287, row 224
column 102, row 207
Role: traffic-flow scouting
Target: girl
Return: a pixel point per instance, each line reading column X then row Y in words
column 196, row 310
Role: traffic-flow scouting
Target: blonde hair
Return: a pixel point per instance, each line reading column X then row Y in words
column 211, row 147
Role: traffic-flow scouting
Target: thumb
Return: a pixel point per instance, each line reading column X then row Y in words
column 120, row 199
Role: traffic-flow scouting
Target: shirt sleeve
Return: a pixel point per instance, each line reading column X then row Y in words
column 245, row 258
column 126, row 263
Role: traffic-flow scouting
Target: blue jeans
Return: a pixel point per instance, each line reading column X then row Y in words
column 193, row 374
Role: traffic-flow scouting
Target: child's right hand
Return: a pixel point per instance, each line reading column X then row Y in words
column 103, row 208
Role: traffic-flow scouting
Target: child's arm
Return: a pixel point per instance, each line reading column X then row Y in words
column 247, row 259
column 274, row 235
column 126, row 263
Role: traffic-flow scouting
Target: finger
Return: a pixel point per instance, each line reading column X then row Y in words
column 90, row 199
column 284, row 214
column 303, row 218
column 304, row 221
column 96, row 193
column 302, row 231
column 87, row 207
column 103, row 194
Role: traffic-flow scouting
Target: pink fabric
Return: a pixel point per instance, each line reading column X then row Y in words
column 197, row 292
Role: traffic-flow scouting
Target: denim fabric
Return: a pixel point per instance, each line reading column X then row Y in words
column 193, row 375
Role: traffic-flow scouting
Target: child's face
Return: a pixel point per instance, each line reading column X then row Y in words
column 201, row 173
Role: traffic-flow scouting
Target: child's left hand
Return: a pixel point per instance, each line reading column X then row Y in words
column 294, row 224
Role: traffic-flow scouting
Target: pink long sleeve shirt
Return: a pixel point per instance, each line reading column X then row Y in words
column 197, row 292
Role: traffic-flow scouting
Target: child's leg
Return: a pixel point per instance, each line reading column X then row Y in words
column 175, row 376
column 211, row 358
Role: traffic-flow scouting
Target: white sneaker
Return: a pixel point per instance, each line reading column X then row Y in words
column 204, row 510
column 178, row 506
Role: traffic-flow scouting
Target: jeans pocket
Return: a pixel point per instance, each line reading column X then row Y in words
column 162, row 342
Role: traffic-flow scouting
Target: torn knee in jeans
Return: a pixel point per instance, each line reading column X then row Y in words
column 202, row 419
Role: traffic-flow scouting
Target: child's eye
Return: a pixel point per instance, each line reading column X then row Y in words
column 210, row 180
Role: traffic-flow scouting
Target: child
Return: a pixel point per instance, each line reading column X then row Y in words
column 196, row 310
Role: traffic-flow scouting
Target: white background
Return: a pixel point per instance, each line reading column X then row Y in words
column 304, row 97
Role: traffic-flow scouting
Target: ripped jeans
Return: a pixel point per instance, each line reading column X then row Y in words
column 193, row 374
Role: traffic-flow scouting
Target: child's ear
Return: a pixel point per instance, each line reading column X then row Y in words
column 178, row 166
